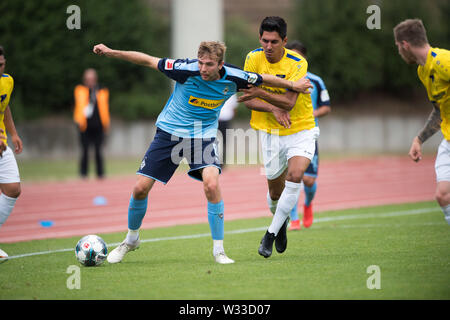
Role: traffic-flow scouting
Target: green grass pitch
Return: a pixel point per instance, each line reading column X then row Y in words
column 409, row 243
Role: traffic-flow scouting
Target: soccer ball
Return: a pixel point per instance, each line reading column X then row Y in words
column 91, row 250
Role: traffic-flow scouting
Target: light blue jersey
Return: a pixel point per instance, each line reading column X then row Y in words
column 193, row 108
column 319, row 93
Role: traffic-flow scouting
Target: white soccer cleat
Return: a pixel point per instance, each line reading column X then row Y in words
column 222, row 258
column 3, row 256
column 118, row 253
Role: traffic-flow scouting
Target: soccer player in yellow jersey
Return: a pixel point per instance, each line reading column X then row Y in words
column 9, row 173
column 286, row 124
column 434, row 72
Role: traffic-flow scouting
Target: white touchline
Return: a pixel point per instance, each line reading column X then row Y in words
column 202, row 235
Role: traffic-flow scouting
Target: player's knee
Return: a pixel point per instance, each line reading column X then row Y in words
column 211, row 186
column 308, row 181
column 442, row 197
column 140, row 191
column 13, row 191
column 295, row 176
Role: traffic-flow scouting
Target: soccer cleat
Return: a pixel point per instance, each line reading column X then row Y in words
column 307, row 215
column 3, row 256
column 118, row 253
column 265, row 249
column 295, row 225
column 281, row 238
column 222, row 258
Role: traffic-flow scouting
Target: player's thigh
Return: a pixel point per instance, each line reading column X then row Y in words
column 274, row 157
column 442, row 163
column 9, row 174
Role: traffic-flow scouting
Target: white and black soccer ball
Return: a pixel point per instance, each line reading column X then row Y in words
column 91, row 250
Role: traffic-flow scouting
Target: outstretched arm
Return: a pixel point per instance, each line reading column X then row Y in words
column 131, row 56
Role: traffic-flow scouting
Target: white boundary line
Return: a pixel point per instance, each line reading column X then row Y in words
column 202, row 235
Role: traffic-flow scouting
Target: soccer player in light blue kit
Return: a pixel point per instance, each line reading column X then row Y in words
column 186, row 128
column 321, row 105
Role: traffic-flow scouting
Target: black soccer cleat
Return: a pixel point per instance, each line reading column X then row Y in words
column 281, row 238
column 265, row 249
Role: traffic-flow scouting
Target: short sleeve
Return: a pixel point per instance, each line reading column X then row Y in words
column 179, row 70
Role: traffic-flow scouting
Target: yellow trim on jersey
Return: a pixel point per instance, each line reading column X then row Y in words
column 435, row 76
column 6, row 88
column 291, row 67
column 205, row 103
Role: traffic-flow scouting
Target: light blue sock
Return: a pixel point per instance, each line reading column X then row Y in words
column 215, row 219
column 294, row 213
column 136, row 213
column 310, row 192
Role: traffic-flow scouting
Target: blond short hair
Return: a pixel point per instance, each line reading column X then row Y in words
column 412, row 31
column 215, row 49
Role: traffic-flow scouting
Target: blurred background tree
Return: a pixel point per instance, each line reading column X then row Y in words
column 47, row 59
column 353, row 59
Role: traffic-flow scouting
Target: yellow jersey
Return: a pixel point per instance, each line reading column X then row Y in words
column 435, row 76
column 293, row 67
column 6, row 88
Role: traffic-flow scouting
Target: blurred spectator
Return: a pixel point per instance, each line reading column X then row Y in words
column 91, row 114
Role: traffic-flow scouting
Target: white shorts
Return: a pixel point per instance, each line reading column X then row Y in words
column 442, row 164
column 9, row 172
column 277, row 150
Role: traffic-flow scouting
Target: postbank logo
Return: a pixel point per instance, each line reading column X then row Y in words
column 205, row 103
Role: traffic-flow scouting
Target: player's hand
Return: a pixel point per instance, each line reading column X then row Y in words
column 249, row 93
column 101, row 49
column 302, row 85
column 415, row 152
column 17, row 142
column 282, row 116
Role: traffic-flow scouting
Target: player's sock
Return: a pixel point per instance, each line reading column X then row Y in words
column 294, row 213
column 310, row 192
column 215, row 219
column 446, row 211
column 132, row 236
column 272, row 203
column 136, row 213
column 6, row 207
column 287, row 201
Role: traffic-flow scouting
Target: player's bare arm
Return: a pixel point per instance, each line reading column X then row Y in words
column 2, row 142
column 302, row 85
column 282, row 116
column 432, row 125
column 131, row 56
column 284, row 101
column 11, row 129
column 321, row 111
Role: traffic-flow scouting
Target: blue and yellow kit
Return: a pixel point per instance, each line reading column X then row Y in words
column 6, row 88
column 293, row 67
column 435, row 76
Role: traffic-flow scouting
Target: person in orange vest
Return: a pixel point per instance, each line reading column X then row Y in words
column 91, row 114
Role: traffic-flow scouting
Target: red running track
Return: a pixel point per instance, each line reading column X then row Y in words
column 69, row 206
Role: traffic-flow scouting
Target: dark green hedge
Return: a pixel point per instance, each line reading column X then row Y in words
column 47, row 59
column 350, row 57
